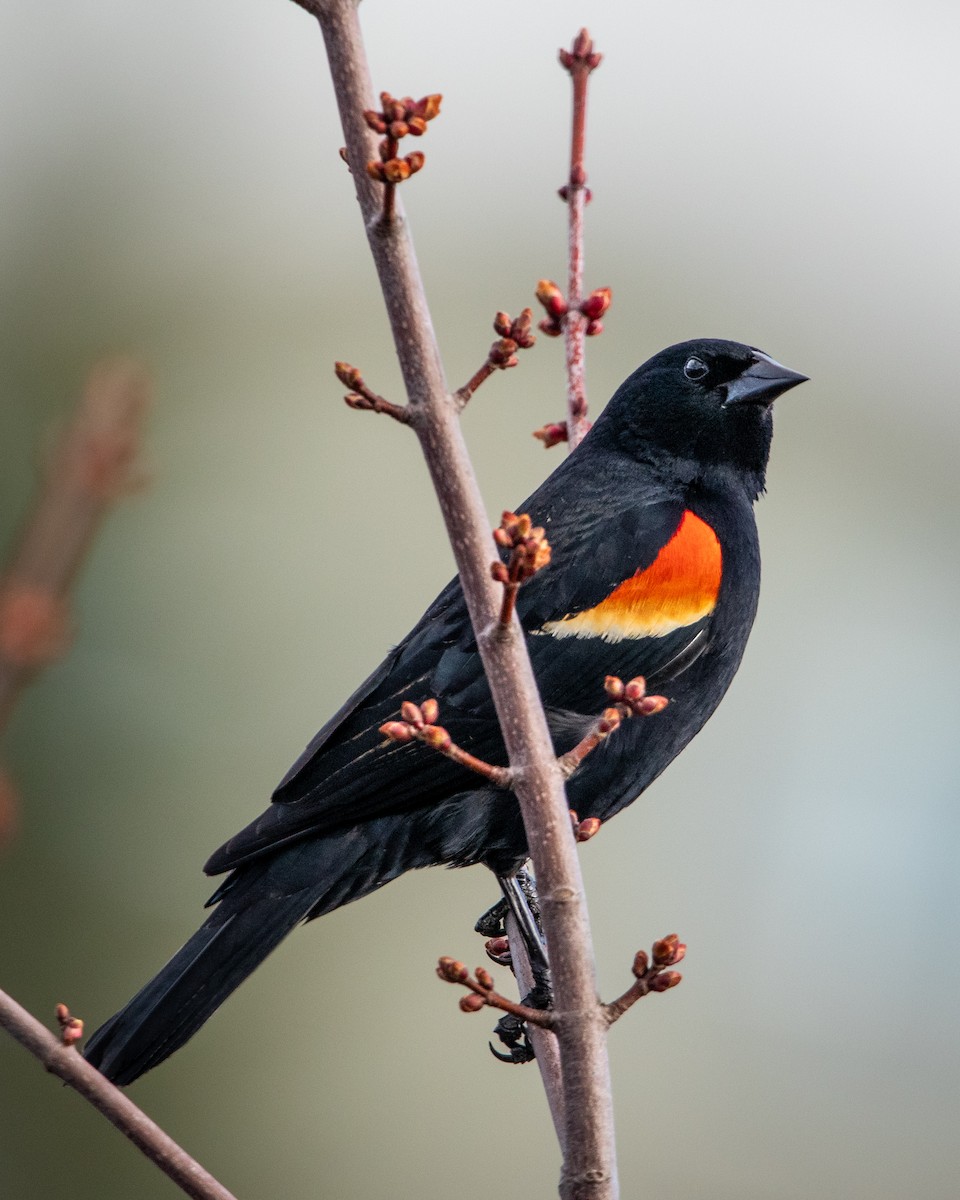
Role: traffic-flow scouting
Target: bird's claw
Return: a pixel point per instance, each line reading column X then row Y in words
column 512, row 1032
column 492, row 923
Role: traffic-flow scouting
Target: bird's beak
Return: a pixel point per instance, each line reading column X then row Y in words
column 762, row 382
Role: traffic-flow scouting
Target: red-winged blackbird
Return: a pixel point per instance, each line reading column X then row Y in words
column 655, row 572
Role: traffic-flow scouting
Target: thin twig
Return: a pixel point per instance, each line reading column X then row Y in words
column 589, row 1171
column 66, row 1063
column 579, row 61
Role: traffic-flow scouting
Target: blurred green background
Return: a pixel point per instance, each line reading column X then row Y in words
column 778, row 173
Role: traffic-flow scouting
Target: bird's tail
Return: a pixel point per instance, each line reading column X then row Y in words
column 256, row 907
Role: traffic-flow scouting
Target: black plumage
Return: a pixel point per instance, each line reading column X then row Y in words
column 687, row 433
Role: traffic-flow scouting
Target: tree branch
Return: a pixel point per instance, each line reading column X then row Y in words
column 93, row 465
column 62, row 1059
column 589, row 1171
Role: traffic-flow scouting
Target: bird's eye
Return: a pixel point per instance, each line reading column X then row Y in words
column 695, row 369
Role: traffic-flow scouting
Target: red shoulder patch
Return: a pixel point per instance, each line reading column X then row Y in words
column 678, row 588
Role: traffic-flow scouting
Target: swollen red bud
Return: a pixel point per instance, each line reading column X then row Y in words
column 430, row 711
column 593, row 328
column 415, row 161
column 502, row 324
column 641, row 963
column 411, row 713
column 471, row 1002
column 649, row 706
column 398, row 130
column 635, row 690
column 484, row 978
column 499, row 573
column 613, row 686
column 375, row 170
column 437, row 738
column 397, row 731
column 589, row 827
column 596, row 304
column 664, row 950
column 552, row 434
column 452, row 971
column 396, row 170
column 665, row 981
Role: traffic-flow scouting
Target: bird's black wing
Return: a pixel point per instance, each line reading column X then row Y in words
column 604, row 522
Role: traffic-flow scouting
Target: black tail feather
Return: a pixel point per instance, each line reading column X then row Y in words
column 236, row 938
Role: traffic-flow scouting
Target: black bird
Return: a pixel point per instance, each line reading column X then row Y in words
column 655, row 571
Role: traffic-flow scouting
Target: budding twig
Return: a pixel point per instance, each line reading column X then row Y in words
column 419, row 723
column 398, row 119
column 649, row 976
column 514, row 335
column 365, row 400
column 529, row 553
column 630, row 700
column 482, row 994
column 60, row 1058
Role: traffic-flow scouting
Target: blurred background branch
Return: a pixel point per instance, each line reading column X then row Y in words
column 93, row 464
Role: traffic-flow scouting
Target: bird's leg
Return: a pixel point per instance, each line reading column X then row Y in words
column 520, row 898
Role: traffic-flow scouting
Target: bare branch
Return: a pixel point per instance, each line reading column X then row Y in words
column 60, row 1057
column 91, row 468
column 589, row 1171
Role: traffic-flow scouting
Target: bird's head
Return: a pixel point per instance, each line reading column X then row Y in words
column 707, row 402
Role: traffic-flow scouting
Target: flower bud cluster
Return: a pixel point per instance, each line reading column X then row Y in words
column 399, row 118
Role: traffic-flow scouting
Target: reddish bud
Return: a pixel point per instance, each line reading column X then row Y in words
column 71, row 1028
column 635, row 690
column 550, row 328
column 398, row 130
column 502, row 324
column 397, row 731
column 411, row 713
column 503, row 354
column 641, row 963
column 499, row 950
column 428, row 107
column 484, row 978
column 417, row 126
column 589, row 827
column 471, row 1002
column 343, row 154
column 664, row 950
column 552, row 434
column 415, row 161
column 375, row 121
column 349, row 376
column 613, row 686
column 551, row 298
column 665, row 981
column 437, row 738
column 430, row 711
column 609, row 721
column 375, row 170
column 396, row 170
column 499, row 573
column 594, row 328
column 649, row 706
column 452, row 971
column 596, row 304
